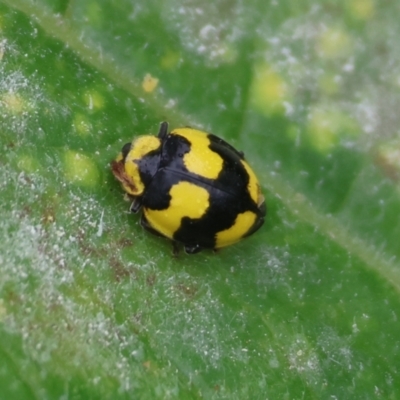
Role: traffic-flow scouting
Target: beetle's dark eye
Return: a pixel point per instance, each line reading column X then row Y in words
column 126, row 149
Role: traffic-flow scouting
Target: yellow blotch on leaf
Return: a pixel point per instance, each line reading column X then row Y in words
column 80, row 169
column 334, row 43
column 28, row 163
column 149, row 83
column 14, row 103
column 268, row 90
column 362, row 9
column 82, row 125
column 326, row 127
column 170, row 60
column 94, row 100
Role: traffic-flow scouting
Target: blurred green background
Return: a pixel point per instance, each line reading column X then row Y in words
column 91, row 306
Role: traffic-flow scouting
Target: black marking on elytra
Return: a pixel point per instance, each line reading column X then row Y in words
column 148, row 166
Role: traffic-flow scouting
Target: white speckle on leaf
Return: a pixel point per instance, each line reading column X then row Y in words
column 100, row 225
column 202, row 31
column 171, row 103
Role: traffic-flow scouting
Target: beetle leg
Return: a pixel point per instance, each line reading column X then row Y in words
column 263, row 208
column 136, row 204
column 163, row 132
column 192, row 248
column 175, row 248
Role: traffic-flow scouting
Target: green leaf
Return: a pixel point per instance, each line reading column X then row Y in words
column 91, row 306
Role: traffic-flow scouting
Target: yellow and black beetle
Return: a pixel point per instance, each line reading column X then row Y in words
column 193, row 188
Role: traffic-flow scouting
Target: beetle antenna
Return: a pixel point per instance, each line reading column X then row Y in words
column 162, row 133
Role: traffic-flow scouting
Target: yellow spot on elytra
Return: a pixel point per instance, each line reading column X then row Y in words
column 268, row 90
column 253, row 186
column 334, row 43
column 140, row 147
column 200, row 160
column 243, row 223
column 187, row 200
column 149, row 83
column 80, row 169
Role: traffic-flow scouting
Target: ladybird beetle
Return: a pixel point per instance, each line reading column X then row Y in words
column 192, row 186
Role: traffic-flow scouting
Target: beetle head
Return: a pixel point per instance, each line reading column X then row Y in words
column 137, row 163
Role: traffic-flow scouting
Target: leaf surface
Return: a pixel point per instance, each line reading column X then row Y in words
column 91, row 306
